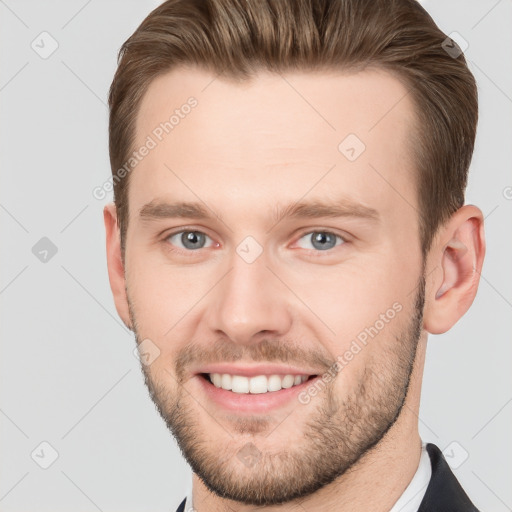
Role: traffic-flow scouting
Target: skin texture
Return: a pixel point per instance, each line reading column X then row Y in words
column 240, row 152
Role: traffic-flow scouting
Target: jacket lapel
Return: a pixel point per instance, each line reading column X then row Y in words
column 181, row 508
column 444, row 492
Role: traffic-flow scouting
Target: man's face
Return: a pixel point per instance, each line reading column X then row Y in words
column 248, row 286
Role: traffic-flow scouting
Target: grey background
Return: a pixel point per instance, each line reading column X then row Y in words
column 68, row 374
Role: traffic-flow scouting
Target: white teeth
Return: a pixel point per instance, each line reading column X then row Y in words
column 225, row 381
column 288, row 381
column 274, row 383
column 257, row 384
column 216, row 378
column 239, row 384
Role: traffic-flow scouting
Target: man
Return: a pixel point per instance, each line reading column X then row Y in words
column 288, row 226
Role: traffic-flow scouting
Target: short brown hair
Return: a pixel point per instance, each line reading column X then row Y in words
column 236, row 38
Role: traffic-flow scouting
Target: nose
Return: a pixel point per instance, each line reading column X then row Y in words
column 250, row 302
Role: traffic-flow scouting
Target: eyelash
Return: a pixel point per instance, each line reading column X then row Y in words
column 317, row 253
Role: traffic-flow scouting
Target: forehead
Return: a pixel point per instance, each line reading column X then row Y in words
column 274, row 139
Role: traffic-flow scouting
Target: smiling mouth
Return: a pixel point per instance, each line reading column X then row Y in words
column 260, row 384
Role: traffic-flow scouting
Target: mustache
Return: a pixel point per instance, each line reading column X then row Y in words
column 265, row 351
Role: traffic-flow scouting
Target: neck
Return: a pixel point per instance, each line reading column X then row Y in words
column 374, row 483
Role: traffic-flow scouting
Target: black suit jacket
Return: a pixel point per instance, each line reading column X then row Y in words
column 443, row 494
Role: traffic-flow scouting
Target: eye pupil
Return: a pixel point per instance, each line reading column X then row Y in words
column 191, row 239
column 321, row 238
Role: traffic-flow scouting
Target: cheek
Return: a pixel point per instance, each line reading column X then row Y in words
column 161, row 295
column 351, row 296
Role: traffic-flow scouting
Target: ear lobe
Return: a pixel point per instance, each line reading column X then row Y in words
column 459, row 253
column 115, row 264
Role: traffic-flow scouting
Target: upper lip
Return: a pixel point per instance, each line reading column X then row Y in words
column 251, row 371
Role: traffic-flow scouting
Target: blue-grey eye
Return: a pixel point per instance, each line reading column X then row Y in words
column 322, row 240
column 190, row 240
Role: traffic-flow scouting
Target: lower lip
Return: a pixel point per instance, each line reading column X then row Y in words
column 253, row 403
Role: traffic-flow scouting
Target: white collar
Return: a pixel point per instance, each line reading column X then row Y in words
column 411, row 498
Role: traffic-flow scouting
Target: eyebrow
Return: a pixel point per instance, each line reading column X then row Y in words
column 157, row 210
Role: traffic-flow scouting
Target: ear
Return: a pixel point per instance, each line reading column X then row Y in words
column 455, row 261
column 115, row 264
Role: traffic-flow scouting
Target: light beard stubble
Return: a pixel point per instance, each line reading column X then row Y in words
column 340, row 433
